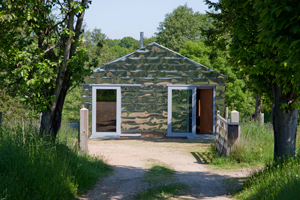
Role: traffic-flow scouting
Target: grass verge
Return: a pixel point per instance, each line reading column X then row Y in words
column 276, row 180
column 254, row 148
column 279, row 180
column 34, row 168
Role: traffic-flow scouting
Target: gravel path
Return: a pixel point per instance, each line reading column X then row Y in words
column 131, row 158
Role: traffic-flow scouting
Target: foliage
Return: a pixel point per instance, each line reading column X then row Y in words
column 72, row 105
column 181, row 25
column 37, row 169
column 41, row 54
column 102, row 50
column 266, row 59
column 278, row 180
column 279, row 30
column 128, row 42
column 13, row 109
column 94, row 44
column 32, row 52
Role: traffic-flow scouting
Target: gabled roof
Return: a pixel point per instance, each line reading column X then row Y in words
column 146, row 50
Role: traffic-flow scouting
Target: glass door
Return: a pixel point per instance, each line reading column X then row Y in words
column 106, row 111
column 181, row 111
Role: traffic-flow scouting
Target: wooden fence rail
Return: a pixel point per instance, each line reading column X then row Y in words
column 227, row 133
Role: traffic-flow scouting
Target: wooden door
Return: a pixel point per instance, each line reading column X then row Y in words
column 206, row 111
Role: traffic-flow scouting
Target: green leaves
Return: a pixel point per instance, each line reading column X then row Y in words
column 32, row 44
column 181, row 25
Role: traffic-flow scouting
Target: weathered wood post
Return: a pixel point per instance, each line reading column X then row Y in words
column 226, row 113
column 84, row 130
column 233, row 129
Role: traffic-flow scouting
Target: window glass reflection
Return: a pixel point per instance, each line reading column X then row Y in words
column 182, row 111
column 106, row 110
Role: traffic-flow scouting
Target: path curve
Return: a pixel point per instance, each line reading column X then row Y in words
column 131, row 158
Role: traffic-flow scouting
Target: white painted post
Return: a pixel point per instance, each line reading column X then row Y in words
column 226, row 113
column 235, row 116
column 84, row 130
column 261, row 118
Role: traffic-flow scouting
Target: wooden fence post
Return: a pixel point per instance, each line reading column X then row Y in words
column 226, row 113
column 84, row 130
column 233, row 129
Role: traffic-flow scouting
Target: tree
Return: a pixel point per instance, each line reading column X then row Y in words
column 95, row 44
column 72, row 105
column 265, row 43
column 41, row 54
column 180, row 26
column 128, row 42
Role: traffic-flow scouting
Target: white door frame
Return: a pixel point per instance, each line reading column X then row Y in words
column 96, row 134
column 183, row 134
column 194, row 87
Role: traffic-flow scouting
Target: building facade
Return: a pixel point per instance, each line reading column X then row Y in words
column 154, row 90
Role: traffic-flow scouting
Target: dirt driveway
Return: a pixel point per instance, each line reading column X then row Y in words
column 131, row 159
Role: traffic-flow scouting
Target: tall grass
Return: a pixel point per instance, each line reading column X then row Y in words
column 256, row 144
column 34, row 168
column 255, row 147
column 278, row 180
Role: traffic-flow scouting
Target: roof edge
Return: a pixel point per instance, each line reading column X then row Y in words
column 154, row 43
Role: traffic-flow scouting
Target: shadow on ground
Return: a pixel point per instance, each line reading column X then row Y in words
column 203, row 157
column 128, row 181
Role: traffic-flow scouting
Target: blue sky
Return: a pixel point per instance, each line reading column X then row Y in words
column 122, row 18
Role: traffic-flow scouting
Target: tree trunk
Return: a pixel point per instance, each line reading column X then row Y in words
column 284, row 125
column 257, row 107
column 51, row 119
column 59, row 108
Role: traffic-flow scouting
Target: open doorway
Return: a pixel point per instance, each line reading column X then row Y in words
column 204, row 111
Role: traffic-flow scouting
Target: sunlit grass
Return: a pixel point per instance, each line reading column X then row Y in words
column 255, row 148
column 34, row 168
column 278, row 180
column 275, row 180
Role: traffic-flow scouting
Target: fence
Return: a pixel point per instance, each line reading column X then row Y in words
column 227, row 132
